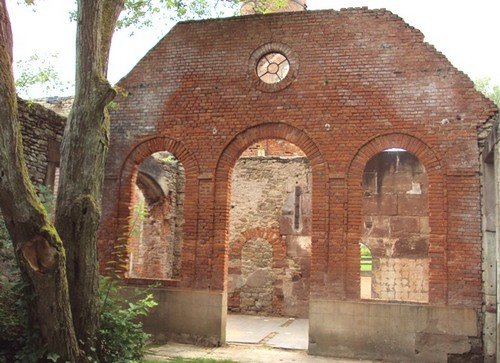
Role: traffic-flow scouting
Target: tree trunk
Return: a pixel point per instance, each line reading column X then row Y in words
column 84, row 150
column 37, row 245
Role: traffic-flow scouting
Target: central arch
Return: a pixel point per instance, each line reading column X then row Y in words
column 320, row 197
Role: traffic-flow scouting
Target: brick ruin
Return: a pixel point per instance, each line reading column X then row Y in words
column 362, row 82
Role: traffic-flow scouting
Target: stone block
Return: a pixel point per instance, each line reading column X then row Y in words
column 403, row 226
column 412, row 205
column 386, row 205
column 389, row 331
column 411, row 247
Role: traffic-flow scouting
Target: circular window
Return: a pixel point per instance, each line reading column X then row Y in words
column 273, row 68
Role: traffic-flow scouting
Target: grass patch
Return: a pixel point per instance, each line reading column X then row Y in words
column 366, row 267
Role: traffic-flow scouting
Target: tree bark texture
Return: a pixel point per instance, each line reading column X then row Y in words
column 84, row 150
column 38, row 248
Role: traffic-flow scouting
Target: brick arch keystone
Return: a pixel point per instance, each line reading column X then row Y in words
column 320, row 197
column 127, row 179
column 437, row 210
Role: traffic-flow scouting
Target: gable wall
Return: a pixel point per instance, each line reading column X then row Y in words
column 364, row 81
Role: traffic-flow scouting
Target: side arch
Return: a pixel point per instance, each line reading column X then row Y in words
column 437, row 209
column 127, row 179
column 320, row 198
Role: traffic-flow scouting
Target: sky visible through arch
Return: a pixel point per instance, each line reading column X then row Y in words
column 466, row 32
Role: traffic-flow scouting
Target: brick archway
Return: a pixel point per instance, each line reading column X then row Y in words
column 127, row 177
column 271, row 236
column 437, row 210
column 320, row 197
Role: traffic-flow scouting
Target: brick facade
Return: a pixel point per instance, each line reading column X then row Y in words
column 360, row 81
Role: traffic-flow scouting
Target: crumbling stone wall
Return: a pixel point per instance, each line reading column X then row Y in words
column 396, row 226
column 257, row 277
column 42, row 132
column 156, row 236
column 273, row 196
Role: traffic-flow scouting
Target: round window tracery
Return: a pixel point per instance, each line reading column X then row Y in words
column 272, row 67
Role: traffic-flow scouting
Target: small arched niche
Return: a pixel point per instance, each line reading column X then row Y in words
column 396, row 226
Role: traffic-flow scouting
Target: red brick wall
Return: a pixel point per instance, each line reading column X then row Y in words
column 272, row 148
column 360, row 81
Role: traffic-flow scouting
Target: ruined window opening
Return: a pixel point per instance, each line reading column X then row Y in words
column 396, row 227
column 157, row 218
column 296, row 221
column 273, row 68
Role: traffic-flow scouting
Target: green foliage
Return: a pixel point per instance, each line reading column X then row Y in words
column 18, row 341
column 266, row 7
column 47, row 198
column 365, row 251
column 38, row 72
column 121, row 338
column 167, row 159
column 4, row 235
column 10, row 322
column 144, row 13
column 366, row 258
column 484, row 86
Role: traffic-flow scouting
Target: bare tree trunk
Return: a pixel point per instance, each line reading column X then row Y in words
column 84, row 150
column 37, row 245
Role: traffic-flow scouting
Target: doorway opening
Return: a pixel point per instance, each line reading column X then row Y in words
column 270, row 246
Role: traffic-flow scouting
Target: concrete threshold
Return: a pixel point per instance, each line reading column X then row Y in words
column 253, row 339
column 242, row 353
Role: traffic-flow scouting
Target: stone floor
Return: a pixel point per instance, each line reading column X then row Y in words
column 253, row 339
column 286, row 333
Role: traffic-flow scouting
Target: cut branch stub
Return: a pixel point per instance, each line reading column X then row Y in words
column 40, row 255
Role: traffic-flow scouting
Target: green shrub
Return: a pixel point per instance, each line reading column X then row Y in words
column 121, row 337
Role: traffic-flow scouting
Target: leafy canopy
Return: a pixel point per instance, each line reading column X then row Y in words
column 484, row 86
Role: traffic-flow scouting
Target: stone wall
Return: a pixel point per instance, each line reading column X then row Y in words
column 42, row 132
column 270, row 236
column 490, row 175
column 396, row 226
